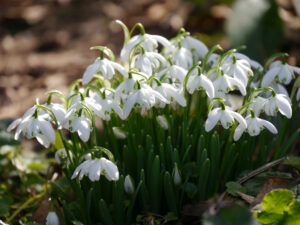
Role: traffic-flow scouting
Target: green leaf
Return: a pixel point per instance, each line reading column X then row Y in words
column 233, row 187
column 293, row 161
column 277, row 201
column 279, row 208
column 5, row 203
column 293, row 213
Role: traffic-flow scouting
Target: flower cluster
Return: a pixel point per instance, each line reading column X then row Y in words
column 157, row 73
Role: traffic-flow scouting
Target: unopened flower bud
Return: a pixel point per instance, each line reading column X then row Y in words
column 52, row 219
column 128, row 185
column 162, row 121
column 176, row 176
column 120, row 134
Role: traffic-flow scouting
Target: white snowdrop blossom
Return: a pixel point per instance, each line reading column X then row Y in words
column 197, row 47
column 128, row 185
column 254, row 64
column 280, row 103
column 239, row 69
column 224, row 83
column 147, row 41
column 107, row 107
column 39, row 128
column 144, row 97
column 52, row 219
column 58, row 110
column 81, row 125
column 225, row 116
column 258, row 104
column 162, row 121
column 196, row 82
column 183, row 58
column 254, row 126
column 171, row 93
column 61, row 157
column 279, row 72
column 93, row 168
column 175, row 72
column 125, row 88
column 148, row 62
column 105, row 67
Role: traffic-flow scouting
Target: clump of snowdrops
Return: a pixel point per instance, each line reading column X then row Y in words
column 178, row 121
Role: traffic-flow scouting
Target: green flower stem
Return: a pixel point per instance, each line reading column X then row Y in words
column 27, row 203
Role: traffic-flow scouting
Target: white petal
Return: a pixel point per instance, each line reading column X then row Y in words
column 89, row 72
column 238, row 132
column 208, row 86
column 212, row 120
column 14, row 124
column 269, row 76
column 111, row 170
column 239, row 118
column 43, row 140
column 268, row 125
column 47, row 130
column 120, row 68
column 284, row 106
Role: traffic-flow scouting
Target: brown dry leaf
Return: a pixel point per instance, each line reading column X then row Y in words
column 270, row 184
column 39, row 215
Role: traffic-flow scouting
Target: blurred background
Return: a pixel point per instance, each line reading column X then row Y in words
column 44, row 44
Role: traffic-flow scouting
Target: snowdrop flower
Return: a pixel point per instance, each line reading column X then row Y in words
column 106, row 107
column 174, row 71
column 39, row 127
column 61, row 157
column 254, row 126
column 128, row 185
column 162, row 121
column 254, row 64
column 125, row 88
column 225, row 116
column 52, row 219
column 198, row 48
column 81, row 125
column 239, row 69
column 58, row 110
column 279, row 72
column 106, row 67
column 147, row 41
column 95, row 167
column 183, row 58
column 280, row 103
column 224, row 83
column 143, row 97
column 148, row 62
column 29, row 113
column 171, row 93
column 258, row 104
column 200, row 81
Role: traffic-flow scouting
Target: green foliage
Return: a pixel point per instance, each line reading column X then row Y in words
column 279, row 207
column 233, row 215
column 233, row 187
